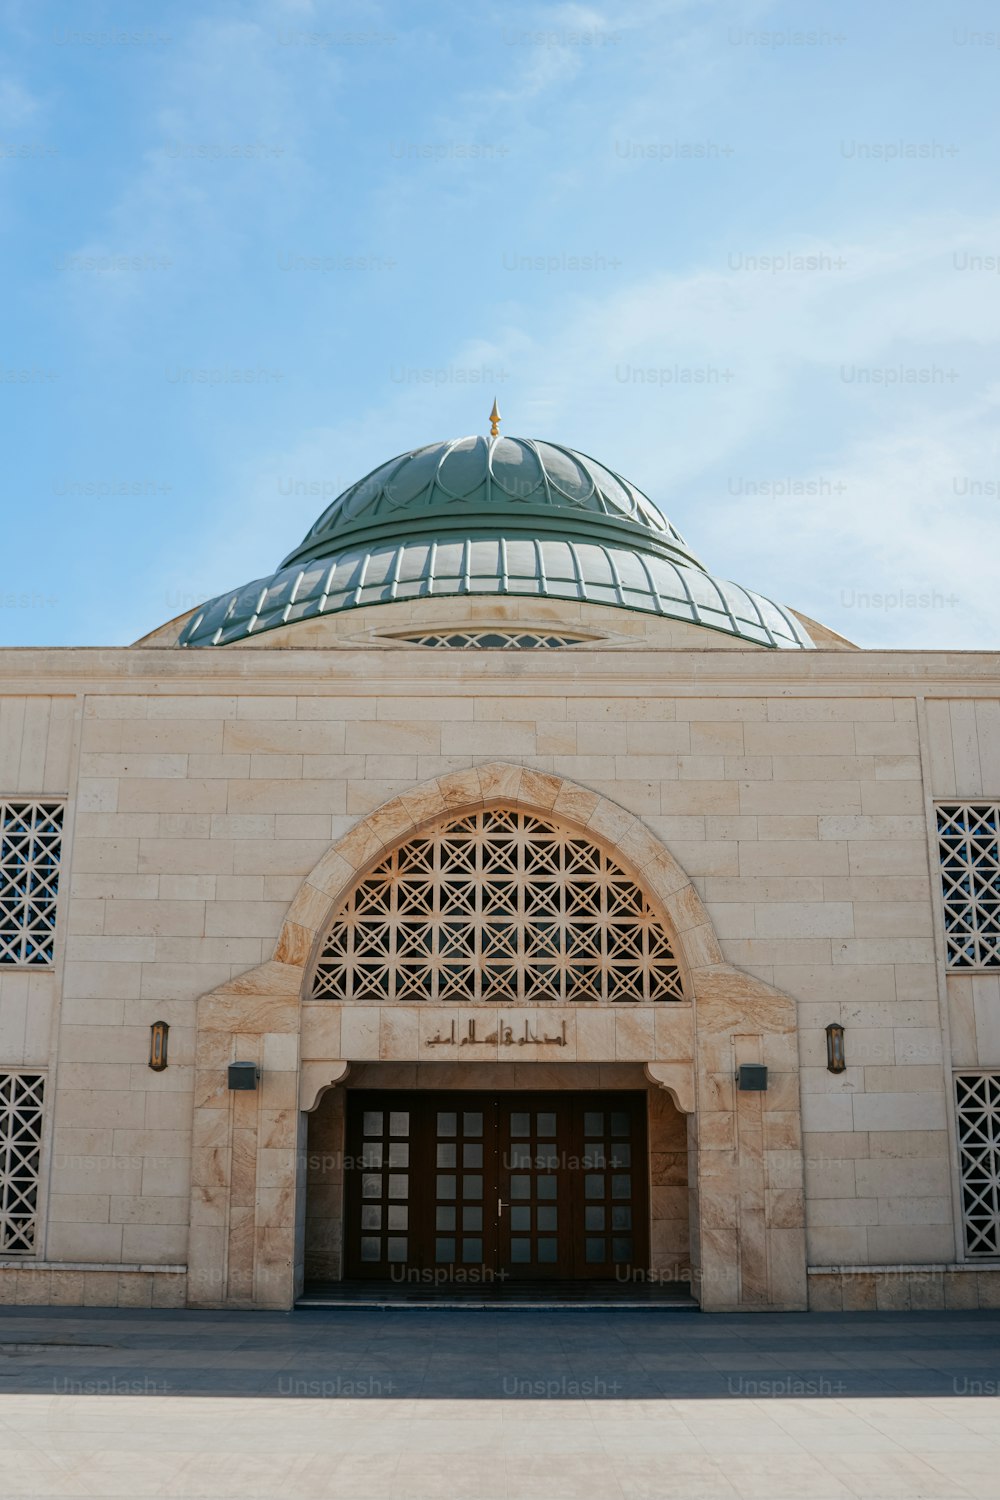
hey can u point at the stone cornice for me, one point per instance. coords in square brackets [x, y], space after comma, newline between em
[348, 671]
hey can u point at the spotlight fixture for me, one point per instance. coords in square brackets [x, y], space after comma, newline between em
[751, 1078]
[243, 1075]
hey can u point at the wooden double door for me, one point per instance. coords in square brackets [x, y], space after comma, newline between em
[519, 1186]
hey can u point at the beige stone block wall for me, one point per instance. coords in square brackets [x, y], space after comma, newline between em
[36, 745]
[80, 1285]
[974, 1014]
[904, 1288]
[964, 747]
[789, 788]
[963, 752]
[36, 738]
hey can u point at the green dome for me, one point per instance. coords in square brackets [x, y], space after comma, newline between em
[495, 516]
[527, 487]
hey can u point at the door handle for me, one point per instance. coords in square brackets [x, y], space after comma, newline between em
[501, 1205]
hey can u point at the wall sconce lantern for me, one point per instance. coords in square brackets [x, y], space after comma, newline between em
[243, 1075]
[158, 1046]
[751, 1078]
[836, 1061]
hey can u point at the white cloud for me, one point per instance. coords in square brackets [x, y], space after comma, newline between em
[18, 105]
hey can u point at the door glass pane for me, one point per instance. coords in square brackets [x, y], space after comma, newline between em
[533, 1175]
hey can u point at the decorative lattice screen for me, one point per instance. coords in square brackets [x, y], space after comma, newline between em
[500, 907]
[20, 1145]
[977, 1098]
[30, 844]
[493, 640]
[970, 877]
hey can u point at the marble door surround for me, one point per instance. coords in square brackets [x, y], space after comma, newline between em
[248, 1169]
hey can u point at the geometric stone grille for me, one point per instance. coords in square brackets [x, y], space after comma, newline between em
[498, 907]
[493, 640]
[970, 877]
[20, 1147]
[978, 1110]
[30, 846]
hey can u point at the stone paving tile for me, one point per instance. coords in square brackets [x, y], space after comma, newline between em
[603, 1405]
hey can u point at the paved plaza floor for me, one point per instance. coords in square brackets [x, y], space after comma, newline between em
[498, 1404]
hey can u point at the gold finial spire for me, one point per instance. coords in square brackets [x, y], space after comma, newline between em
[495, 419]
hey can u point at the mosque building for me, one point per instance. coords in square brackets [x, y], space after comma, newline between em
[492, 898]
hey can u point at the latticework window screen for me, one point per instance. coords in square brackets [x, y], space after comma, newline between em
[20, 1146]
[970, 877]
[977, 1097]
[30, 846]
[493, 640]
[498, 907]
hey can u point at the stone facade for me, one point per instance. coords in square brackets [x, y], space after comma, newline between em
[777, 807]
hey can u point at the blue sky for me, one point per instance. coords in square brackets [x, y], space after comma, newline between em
[745, 253]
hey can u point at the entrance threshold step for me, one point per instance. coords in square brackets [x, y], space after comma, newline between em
[552, 1294]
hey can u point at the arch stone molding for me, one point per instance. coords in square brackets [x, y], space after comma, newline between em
[248, 1194]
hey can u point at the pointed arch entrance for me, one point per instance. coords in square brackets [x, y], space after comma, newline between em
[355, 985]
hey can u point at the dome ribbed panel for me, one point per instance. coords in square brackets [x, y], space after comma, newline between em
[443, 567]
